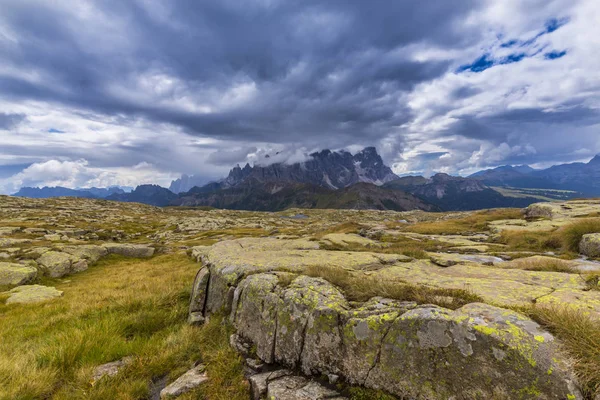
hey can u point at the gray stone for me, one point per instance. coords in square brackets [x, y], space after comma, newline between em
[109, 369]
[91, 253]
[56, 264]
[16, 274]
[259, 382]
[130, 250]
[186, 382]
[32, 294]
[299, 388]
[199, 289]
[590, 245]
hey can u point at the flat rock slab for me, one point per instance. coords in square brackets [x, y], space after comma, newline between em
[57, 264]
[186, 382]
[32, 294]
[109, 369]
[130, 250]
[346, 239]
[16, 274]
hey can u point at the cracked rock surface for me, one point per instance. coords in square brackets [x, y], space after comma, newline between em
[410, 350]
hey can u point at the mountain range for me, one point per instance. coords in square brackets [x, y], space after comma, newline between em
[58, 191]
[339, 179]
[580, 177]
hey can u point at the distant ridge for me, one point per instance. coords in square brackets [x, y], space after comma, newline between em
[58, 191]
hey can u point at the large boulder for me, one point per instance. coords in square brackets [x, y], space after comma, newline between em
[130, 250]
[590, 245]
[422, 352]
[12, 274]
[91, 253]
[32, 294]
[58, 264]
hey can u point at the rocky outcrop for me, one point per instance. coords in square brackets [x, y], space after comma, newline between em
[12, 274]
[130, 250]
[590, 245]
[56, 264]
[410, 350]
[32, 294]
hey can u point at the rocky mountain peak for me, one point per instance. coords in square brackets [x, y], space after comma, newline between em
[326, 168]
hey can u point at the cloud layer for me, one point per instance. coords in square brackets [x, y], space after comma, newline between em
[195, 87]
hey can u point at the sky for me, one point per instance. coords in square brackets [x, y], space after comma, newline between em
[112, 92]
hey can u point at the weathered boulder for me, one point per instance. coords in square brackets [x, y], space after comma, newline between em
[16, 274]
[259, 383]
[299, 388]
[539, 210]
[590, 245]
[53, 237]
[198, 300]
[186, 382]
[91, 253]
[58, 264]
[32, 294]
[130, 250]
[423, 352]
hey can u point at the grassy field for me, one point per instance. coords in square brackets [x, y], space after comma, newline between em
[115, 309]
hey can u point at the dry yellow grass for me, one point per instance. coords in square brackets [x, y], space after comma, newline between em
[117, 308]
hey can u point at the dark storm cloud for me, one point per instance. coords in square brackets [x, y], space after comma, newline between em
[333, 67]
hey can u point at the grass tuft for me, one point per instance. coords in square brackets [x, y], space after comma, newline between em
[358, 286]
[543, 264]
[580, 336]
[571, 234]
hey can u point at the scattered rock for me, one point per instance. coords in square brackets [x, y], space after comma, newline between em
[8, 242]
[32, 294]
[130, 250]
[590, 245]
[57, 264]
[259, 383]
[443, 261]
[109, 369]
[299, 388]
[16, 274]
[186, 382]
[53, 237]
[7, 231]
[345, 239]
[90, 253]
[539, 210]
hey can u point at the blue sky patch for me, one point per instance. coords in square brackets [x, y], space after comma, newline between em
[54, 130]
[554, 54]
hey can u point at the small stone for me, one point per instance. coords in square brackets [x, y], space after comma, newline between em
[186, 382]
[53, 237]
[109, 369]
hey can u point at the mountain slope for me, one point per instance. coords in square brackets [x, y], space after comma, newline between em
[452, 193]
[580, 177]
[279, 195]
[153, 195]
